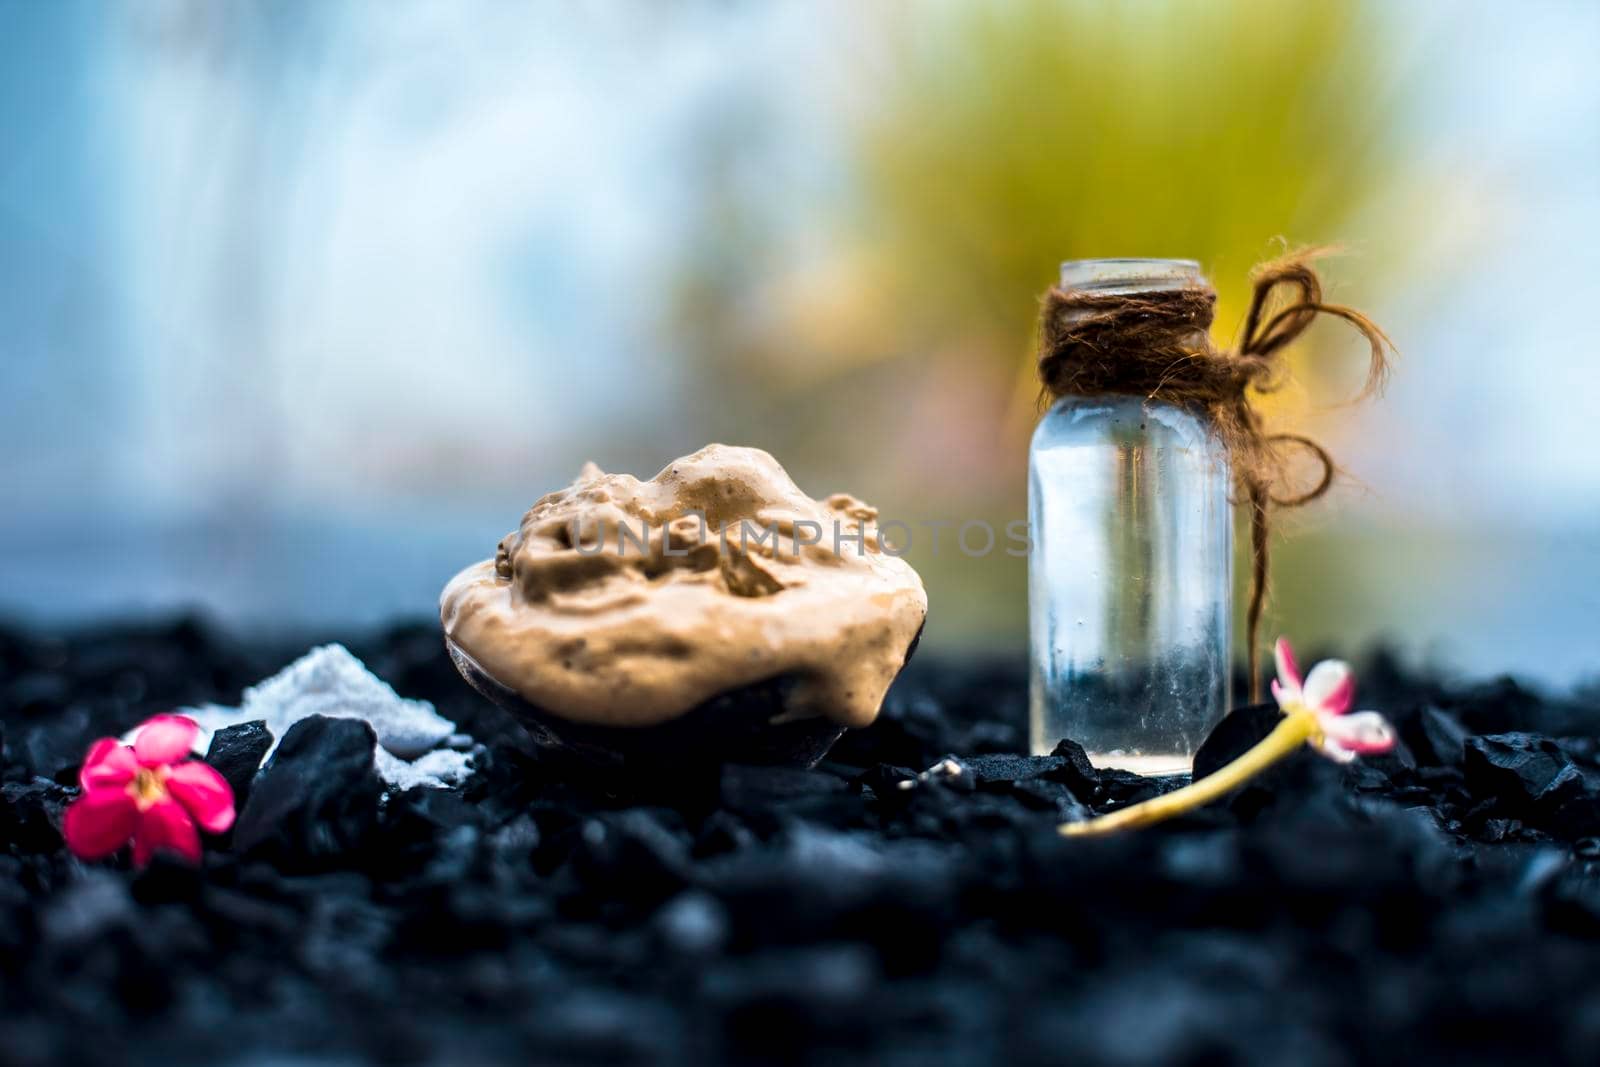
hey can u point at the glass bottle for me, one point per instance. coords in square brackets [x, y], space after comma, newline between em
[1130, 563]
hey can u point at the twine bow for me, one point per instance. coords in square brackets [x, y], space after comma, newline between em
[1155, 344]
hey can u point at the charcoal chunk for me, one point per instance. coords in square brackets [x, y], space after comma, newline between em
[236, 753]
[1436, 737]
[908, 902]
[1055, 797]
[885, 781]
[1238, 732]
[1075, 770]
[316, 801]
[1520, 768]
[51, 742]
[1577, 817]
[30, 812]
[993, 769]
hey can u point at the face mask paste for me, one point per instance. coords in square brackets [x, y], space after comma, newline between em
[626, 603]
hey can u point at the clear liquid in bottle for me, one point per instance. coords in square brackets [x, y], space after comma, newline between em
[1130, 580]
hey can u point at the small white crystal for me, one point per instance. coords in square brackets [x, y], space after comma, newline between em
[438, 769]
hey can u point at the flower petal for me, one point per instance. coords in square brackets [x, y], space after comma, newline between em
[165, 826]
[1330, 687]
[108, 764]
[1287, 696]
[1363, 733]
[99, 822]
[1288, 670]
[1327, 746]
[205, 793]
[165, 739]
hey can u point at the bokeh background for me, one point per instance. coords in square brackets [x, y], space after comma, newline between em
[302, 303]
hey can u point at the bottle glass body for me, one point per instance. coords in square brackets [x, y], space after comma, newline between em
[1130, 567]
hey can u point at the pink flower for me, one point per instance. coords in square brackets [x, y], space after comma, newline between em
[1327, 692]
[148, 792]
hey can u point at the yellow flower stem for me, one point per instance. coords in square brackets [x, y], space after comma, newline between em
[1297, 727]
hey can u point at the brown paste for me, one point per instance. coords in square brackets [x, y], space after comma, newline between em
[621, 602]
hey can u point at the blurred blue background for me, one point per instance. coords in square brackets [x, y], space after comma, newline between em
[303, 303]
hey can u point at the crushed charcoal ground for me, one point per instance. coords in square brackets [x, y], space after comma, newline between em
[1441, 904]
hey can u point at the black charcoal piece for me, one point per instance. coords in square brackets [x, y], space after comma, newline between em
[996, 769]
[1436, 737]
[236, 753]
[1076, 771]
[1054, 797]
[30, 813]
[316, 800]
[864, 911]
[883, 780]
[1238, 732]
[1520, 768]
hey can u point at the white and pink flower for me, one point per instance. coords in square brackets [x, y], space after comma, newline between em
[1327, 692]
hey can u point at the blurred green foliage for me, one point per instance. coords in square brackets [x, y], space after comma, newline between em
[1017, 135]
[892, 355]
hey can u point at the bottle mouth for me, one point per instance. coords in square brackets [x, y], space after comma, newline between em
[1110, 275]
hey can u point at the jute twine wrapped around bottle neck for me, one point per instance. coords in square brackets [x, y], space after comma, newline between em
[1155, 344]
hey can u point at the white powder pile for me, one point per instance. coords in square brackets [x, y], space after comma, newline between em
[330, 681]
